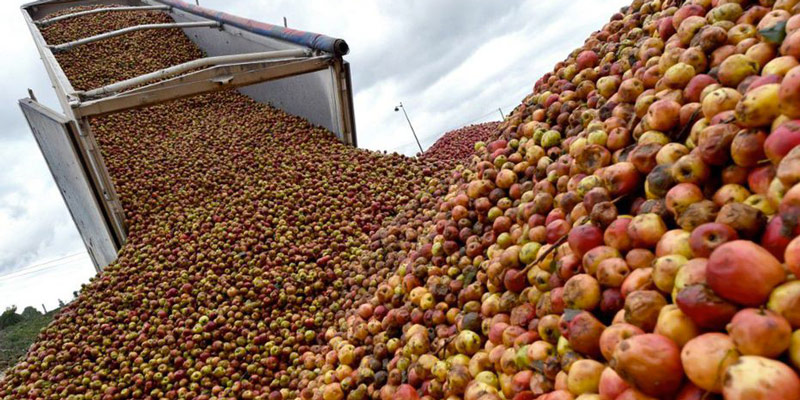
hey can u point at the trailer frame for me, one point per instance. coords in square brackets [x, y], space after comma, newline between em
[270, 63]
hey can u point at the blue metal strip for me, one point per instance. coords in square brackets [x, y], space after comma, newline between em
[312, 40]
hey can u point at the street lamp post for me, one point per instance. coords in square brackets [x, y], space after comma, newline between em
[409, 124]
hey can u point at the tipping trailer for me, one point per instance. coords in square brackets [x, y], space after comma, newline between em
[302, 73]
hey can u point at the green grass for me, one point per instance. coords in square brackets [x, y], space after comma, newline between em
[16, 339]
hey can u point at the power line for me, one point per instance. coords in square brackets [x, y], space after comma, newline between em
[30, 272]
[461, 125]
[439, 135]
[38, 267]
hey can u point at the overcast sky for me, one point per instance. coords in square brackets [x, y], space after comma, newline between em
[451, 63]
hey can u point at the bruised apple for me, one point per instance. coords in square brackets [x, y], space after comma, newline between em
[704, 307]
[705, 359]
[760, 378]
[760, 332]
[614, 335]
[650, 362]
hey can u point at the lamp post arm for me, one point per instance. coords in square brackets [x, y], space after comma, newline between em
[412, 128]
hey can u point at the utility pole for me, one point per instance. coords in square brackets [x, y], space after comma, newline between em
[285, 25]
[501, 113]
[409, 124]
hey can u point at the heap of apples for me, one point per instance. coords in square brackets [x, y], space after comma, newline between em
[250, 233]
[629, 232]
[632, 235]
[459, 145]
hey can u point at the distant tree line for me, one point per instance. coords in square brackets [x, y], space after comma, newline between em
[10, 317]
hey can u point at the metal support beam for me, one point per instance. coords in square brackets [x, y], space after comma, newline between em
[210, 80]
[107, 35]
[342, 102]
[216, 73]
[191, 65]
[102, 181]
[58, 140]
[49, 21]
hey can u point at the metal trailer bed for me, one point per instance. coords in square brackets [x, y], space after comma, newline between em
[302, 73]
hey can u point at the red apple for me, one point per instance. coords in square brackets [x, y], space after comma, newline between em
[642, 308]
[760, 332]
[789, 93]
[616, 234]
[695, 87]
[777, 236]
[622, 178]
[583, 331]
[611, 273]
[638, 279]
[611, 385]
[747, 147]
[792, 257]
[663, 115]
[406, 392]
[681, 196]
[584, 237]
[611, 301]
[586, 59]
[633, 394]
[782, 140]
[707, 237]
[743, 272]
[690, 391]
[639, 258]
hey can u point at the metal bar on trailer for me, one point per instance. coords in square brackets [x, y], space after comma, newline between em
[217, 72]
[49, 21]
[107, 35]
[59, 79]
[343, 101]
[194, 64]
[350, 114]
[223, 79]
[102, 181]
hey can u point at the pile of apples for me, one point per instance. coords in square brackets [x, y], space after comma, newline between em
[104, 62]
[251, 232]
[459, 145]
[629, 232]
[632, 235]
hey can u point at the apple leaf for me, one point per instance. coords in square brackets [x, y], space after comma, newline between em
[774, 34]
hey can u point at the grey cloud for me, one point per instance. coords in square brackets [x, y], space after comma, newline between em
[36, 224]
[435, 37]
